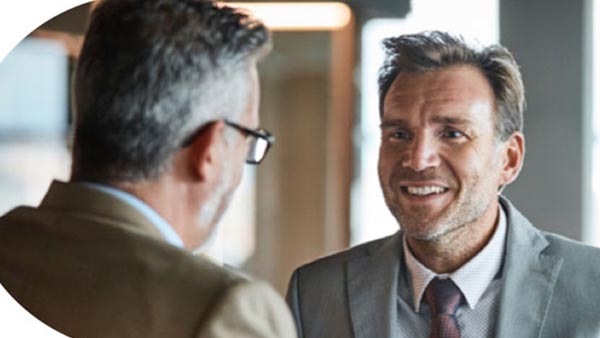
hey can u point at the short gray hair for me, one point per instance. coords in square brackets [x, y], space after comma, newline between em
[149, 74]
[434, 50]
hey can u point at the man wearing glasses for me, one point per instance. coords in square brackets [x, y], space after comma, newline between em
[166, 95]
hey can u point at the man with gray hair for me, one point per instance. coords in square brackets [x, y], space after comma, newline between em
[465, 263]
[166, 98]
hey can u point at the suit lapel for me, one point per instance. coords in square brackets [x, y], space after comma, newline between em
[372, 289]
[529, 278]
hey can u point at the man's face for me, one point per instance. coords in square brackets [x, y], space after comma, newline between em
[236, 148]
[238, 142]
[440, 164]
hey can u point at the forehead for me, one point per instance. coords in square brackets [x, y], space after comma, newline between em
[456, 89]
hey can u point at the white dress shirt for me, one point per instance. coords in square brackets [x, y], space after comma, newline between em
[157, 220]
[478, 280]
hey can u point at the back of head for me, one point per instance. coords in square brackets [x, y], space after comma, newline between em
[149, 74]
[430, 51]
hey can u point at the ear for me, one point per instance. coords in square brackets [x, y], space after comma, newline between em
[513, 153]
[205, 151]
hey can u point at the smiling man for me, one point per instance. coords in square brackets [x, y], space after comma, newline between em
[466, 262]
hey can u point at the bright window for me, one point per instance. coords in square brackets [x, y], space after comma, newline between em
[33, 121]
[592, 179]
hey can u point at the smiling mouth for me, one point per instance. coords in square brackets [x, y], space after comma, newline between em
[423, 190]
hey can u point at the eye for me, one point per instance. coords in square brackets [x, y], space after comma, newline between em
[401, 135]
[451, 133]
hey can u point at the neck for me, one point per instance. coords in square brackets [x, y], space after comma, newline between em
[175, 203]
[447, 253]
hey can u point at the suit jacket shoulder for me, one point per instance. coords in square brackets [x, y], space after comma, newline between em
[335, 295]
[332, 263]
[550, 283]
[249, 309]
[91, 266]
[573, 308]
[573, 251]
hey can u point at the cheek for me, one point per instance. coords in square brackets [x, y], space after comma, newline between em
[385, 162]
[238, 170]
[239, 175]
[468, 162]
[482, 167]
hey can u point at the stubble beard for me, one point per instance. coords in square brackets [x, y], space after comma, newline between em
[418, 222]
[214, 208]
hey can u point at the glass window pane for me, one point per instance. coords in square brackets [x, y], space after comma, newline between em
[33, 121]
[592, 228]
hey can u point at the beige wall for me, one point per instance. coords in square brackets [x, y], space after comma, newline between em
[302, 188]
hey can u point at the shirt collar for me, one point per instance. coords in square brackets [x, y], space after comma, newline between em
[472, 278]
[157, 220]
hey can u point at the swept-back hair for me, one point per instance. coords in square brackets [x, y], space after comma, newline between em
[434, 50]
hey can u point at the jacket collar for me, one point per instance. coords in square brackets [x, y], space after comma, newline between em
[372, 284]
[529, 276]
[78, 198]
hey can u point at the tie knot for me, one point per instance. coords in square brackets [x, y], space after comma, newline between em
[443, 297]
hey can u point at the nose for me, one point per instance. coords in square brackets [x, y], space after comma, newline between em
[421, 153]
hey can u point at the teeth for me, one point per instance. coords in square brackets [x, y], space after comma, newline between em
[425, 190]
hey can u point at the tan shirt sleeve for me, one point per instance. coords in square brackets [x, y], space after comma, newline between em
[250, 309]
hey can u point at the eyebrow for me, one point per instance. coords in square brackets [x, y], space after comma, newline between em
[392, 123]
[436, 120]
[450, 120]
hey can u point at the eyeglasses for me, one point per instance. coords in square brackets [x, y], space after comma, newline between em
[260, 140]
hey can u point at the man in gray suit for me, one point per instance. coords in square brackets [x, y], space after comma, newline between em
[466, 262]
[166, 96]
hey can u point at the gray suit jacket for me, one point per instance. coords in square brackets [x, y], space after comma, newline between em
[90, 266]
[551, 288]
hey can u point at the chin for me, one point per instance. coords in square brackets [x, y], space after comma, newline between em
[426, 234]
[426, 227]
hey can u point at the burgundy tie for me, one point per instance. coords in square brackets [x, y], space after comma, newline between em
[444, 298]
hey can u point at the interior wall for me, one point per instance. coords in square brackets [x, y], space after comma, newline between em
[547, 39]
[303, 185]
[291, 181]
[73, 21]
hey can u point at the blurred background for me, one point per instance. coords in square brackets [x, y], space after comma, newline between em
[317, 192]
